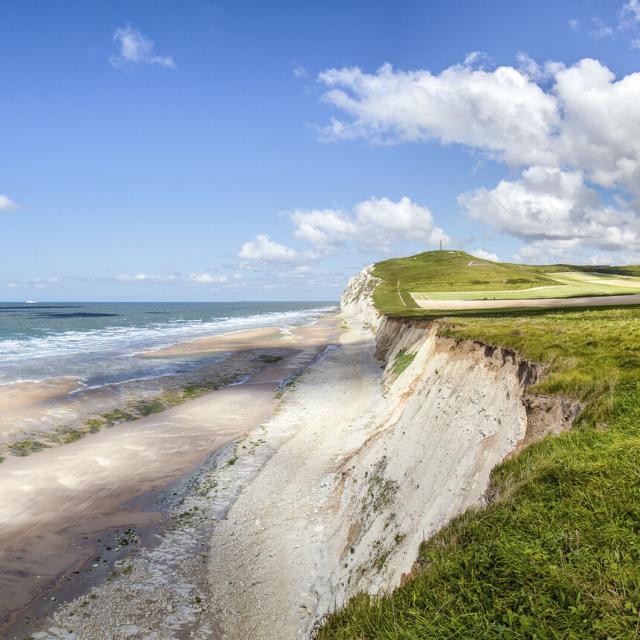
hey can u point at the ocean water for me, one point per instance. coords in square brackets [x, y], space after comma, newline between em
[96, 342]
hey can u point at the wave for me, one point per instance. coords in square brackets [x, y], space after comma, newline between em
[67, 352]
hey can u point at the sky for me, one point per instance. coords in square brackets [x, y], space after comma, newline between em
[236, 150]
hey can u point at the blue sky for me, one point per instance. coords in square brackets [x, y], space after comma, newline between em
[167, 150]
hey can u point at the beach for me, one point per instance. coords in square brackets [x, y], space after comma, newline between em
[61, 503]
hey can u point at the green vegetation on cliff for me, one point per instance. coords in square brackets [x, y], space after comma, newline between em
[556, 553]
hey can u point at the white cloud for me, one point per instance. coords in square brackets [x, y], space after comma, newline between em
[209, 278]
[383, 222]
[137, 49]
[204, 278]
[485, 255]
[554, 211]
[299, 71]
[548, 251]
[502, 111]
[600, 29]
[574, 131]
[37, 283]
[600, 132]
[266, 250]
[323, 228]
[377, 223]
[141, 277]
[585, 119]
[574, 24]
[630, 13]
[635, 44]
[6, 204]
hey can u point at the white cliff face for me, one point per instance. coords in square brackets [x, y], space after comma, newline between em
[356, 302]
[452, 415]
[369, 458]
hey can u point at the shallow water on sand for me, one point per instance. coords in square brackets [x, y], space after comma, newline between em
[96, 342]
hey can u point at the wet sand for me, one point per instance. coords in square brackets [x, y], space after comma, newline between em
[54, 498]
[25, 404]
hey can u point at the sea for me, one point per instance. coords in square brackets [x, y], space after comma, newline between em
[96, 342]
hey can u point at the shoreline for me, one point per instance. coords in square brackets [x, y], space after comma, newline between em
[57, 410]
[77, 486]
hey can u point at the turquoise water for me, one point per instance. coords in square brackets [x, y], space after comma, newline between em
[96, 342]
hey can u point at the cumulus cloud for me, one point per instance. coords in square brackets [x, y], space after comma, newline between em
[383, 222]
[6, 204]
[264, 249]
[134, 48]
[12, 285]
[600, 131]
[554, 211]
[485, 255]
[573, 131]
[323, 227]
[377, 223]
[548, 251]
[585, 118]
[500, 111]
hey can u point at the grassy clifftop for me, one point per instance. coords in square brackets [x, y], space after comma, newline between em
[556, 554]
[457, 274]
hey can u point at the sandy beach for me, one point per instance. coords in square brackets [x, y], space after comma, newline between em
[58, 502]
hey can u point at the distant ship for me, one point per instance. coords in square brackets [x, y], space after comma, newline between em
[31, 302]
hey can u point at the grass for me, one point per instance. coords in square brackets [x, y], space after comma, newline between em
[402, 361]
[556, 554]
[456, 275]
[25, 447]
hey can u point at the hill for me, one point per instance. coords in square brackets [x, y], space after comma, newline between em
[421, 284]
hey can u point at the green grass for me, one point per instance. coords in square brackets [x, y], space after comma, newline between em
[25, 447]
[402, 361]
[556, 554]
[456, 275]
[447, 271]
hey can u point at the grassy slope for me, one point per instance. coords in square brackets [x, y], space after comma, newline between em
[442, 273]
[557, 553]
